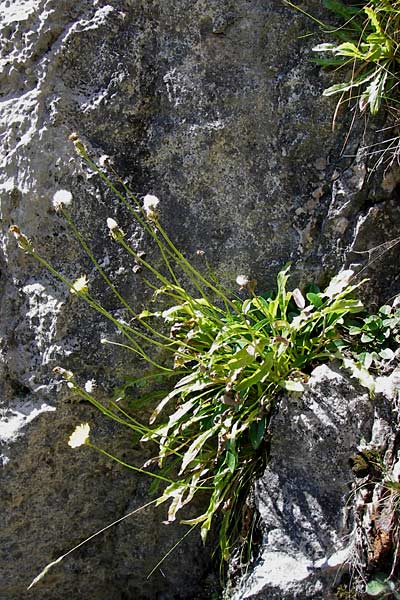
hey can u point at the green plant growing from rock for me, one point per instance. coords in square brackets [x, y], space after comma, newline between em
[368, 46]
[228, 358]
[366, 52]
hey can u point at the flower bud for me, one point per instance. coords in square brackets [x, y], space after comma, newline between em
[115, 231]
[22, 240]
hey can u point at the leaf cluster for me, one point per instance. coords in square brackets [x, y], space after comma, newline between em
[368, 46]
[374, 338]
[381, 587]
[228, 359]
[234, 362]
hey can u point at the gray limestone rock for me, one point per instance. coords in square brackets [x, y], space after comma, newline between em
[213, 106]
[307, 496]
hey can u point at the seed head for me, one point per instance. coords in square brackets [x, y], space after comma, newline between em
[80, 147]
[80, 286]
[80, 436]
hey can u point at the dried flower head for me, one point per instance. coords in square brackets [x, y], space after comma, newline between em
[150, 204]
[22, 240]
[104, 160]
[115, 231]
[80, 147]
[61, 199]
[80, 286]
[80, 436]
[68, 376]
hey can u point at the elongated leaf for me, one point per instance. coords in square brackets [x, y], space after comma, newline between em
[347, 12]
[374, 92]
[324, 47]
[256, 432]
[373, 17]
[260, 372]
[244, 357]
[315, 299]
[162, 404]
[231, 459]
[376, 588]
[349, 85]
[196, 446]
[338, 283]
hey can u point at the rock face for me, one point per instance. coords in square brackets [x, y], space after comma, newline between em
[313, 536]
[213, 106]
[302, 496]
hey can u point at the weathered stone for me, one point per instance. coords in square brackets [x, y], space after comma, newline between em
[213, 106]
[303, 494]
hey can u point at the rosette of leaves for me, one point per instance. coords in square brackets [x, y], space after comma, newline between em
[233, 364]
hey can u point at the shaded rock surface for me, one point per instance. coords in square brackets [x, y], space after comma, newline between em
[213, 106]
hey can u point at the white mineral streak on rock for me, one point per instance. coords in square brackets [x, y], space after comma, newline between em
[13, 421]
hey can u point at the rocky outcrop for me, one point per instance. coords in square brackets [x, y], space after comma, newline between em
[213, 106]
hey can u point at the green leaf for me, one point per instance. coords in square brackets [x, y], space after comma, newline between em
[315, 299]
[260, 372]
[374, 92]
[386, 354]
[360, 373]
[338, 283]
[376, 587]
[231, 459]
[374, 20]
[344, 11]
[324, 47]
[349, 85]
[244, 357]
[256, 432]
[366, 338]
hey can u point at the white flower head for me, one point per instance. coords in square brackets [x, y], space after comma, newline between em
[112, 224]
[80, 285]
[115, 231]
[80, 436]
[61, 199]
[150, 204]
[90, 386]
[104, 160]
[242, 281]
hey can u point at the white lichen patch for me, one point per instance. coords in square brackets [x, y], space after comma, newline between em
[42, 313]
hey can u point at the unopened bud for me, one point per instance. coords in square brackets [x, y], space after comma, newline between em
[22, 240]
[115, 231]
[80, 147]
